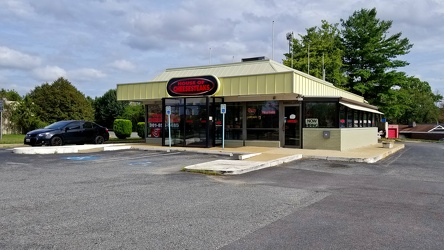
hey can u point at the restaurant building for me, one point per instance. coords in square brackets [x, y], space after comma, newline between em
[267, 104]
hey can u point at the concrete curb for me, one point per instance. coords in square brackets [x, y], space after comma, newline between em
[45, 150]
[246, 156]
[115, 148]
[72, 149]
[373, 159]
[271, 163]
[234, 167]
[237, 155]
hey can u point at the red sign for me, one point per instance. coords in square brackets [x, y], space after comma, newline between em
[251, 111]
[155, 132]
[193, 86]
[268, 112]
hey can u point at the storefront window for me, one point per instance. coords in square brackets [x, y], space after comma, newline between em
[233, 121]
[263, 120]
[321, 115]
[364, 119]
[350, 117]
[356, 119]
[154, 123]
[189, 122]
[342, 118]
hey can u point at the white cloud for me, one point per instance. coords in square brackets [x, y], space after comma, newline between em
[14, 59]
[19, 8]
[123, 65]
[85, 74]
[49, 73]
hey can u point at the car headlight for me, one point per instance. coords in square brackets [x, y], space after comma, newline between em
[46, 135]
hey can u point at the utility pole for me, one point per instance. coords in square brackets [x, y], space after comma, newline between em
[308, 61]
[323, 68]
[272, 40]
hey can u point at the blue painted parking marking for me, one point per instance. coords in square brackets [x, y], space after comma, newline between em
[82, 158]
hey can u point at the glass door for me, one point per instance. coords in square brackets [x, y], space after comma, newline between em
[195, 122]
[292, 126]
[195, 125]
[216, 117]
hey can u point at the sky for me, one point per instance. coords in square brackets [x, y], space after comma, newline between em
[96, 44]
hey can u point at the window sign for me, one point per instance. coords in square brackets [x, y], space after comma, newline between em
[312, 122]
[154, 126]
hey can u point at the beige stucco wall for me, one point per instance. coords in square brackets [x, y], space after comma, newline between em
[340, 138]
[358, 137]
[312, 138]
[154, 141]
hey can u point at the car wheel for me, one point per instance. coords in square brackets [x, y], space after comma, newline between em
[99, 139]
[56, 141]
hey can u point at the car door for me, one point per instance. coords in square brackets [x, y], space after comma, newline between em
[89, 132]
[73, 133]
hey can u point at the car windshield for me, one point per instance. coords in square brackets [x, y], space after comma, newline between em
[58, 125]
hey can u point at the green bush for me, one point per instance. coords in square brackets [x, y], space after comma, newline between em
[122, 128]
[34, 124]
[141, 129]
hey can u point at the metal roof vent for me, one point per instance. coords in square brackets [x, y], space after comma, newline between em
[258, 58]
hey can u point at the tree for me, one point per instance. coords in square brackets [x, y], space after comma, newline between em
[422, 108]
[23, 115]
[320, 48]
[10, 95]
[411, 100]
[370, 54]
[61, 101]
[107, 108]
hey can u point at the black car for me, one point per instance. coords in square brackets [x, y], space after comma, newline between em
[67, 132]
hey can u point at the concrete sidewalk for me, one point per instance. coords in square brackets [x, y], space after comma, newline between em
[243, 159]
[246, 159]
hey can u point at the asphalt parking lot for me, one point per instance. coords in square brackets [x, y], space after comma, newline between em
[142, 200]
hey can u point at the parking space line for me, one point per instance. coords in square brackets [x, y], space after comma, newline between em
[126, 158]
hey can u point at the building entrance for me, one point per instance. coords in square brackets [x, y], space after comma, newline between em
[195, 122]
[292, 127]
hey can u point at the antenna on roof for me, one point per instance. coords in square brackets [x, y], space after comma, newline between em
[210, 57]
[323, 68]
[272, 40]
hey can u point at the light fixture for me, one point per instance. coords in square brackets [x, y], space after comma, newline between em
[299, 98]
[290, 49]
